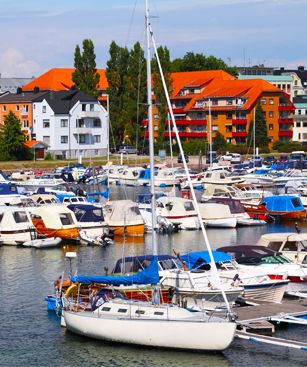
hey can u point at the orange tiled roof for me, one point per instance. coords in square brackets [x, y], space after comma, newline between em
[60, 79]
[30, 143]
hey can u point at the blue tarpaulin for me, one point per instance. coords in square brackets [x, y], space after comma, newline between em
[282, 203]
[150, 275]
[195, 259]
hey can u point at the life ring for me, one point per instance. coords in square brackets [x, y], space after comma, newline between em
[71, 290]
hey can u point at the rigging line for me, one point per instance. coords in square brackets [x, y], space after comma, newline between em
[130, 23]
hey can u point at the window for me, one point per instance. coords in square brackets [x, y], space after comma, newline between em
[122, 310]
[64, 139]
[64, 123]
[20, 217]
[106, 309]
[46, 123]
[229, 115]
[215, 128]
[299, 112]
[83, 107]
[296, 202]
[91, 107]
[82, 139]
[80, 123]
[304, 124]
[66, 219]
[271, 101]
[97, 123]
[96, 152]
[188, 206]
[4, 108]
[140, 312]
[158, 313]
[298, 124]
[46, 140]
[25, 123]
[270, 126]
[263, 101]
[44, 109]
[17, 108]
[271, 114]
[97, 138]
[25, 108]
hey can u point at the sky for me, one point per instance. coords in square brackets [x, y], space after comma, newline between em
[37, 35]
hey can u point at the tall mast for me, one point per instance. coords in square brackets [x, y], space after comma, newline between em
[151, 136]
[213, 265]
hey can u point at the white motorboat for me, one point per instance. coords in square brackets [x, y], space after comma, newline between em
[9, 194]
[16, 226]
[220, 177]
[130, 176]
[43, 242]
[179, 211]
[217, 215]
[291, 244]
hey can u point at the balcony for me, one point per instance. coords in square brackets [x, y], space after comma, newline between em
[285, 133]
[188, 134]
[239, 134]
[282, 107]
[89, 114]
[286, 120]
[81, 130]
[178, 110]
[189, 122]
[239, 121]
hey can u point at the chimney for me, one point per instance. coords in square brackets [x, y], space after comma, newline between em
[36, 89]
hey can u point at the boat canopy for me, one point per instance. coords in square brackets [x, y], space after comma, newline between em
[87, 213]
[145, 174]
[149, 275]
[235, 206]
[283, 203]
[195, 259]
[8, 189]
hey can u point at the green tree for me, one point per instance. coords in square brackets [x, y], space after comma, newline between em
[12, 139]
[261, 130]
[160, 99]
[219, 142]
[198, 62]
[85, 76]
[135, 93]
[117, 76]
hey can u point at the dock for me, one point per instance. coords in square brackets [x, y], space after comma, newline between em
[254, 321]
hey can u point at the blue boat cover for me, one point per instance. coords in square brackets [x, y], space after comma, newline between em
[145, 174]
[105, 194]
[283, 203]
[150, 275]
[87, 213]
[195, 259]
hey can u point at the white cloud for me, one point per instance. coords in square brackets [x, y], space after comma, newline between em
[13, 64]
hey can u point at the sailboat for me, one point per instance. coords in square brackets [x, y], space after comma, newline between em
[111, 317]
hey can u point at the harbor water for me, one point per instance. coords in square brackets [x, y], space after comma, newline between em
[32, 336]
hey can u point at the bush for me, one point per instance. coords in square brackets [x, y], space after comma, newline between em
[195, 146]
[282, 147]
[48, 157]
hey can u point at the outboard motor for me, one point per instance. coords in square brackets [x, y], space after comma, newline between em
[164, 224]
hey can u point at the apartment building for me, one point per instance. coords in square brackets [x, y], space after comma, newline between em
[71, 123]
[300, 119]
[205, 102]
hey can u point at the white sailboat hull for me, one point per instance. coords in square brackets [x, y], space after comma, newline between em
[194, 335]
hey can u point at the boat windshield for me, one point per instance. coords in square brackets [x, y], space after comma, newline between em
[278, 259]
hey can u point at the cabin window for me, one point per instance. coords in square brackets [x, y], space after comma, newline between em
[13, 188]
[158, 313]
[208, 175]
[296, 202]
[66, 219]
[122, 310]
[140, 312]
[290, 246]
[188, 206]
[106, 309]
[275, 245]
[20, 217]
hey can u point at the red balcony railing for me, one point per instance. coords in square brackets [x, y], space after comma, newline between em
[286, 108]
[188, 134]
[285, 133]
[239, 121]
[286, 120]
[190, 122]
[178, 110]
[239, 134]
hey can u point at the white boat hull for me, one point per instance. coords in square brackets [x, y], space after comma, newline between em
[15, 238]
[221, 222]
[194, 335]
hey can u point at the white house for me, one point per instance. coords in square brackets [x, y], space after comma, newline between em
[71, 123]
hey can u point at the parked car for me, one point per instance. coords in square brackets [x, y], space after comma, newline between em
[179, 159]
[127, 150]
[233, 158]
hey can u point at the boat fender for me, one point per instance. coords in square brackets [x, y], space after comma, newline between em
[71, 290]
